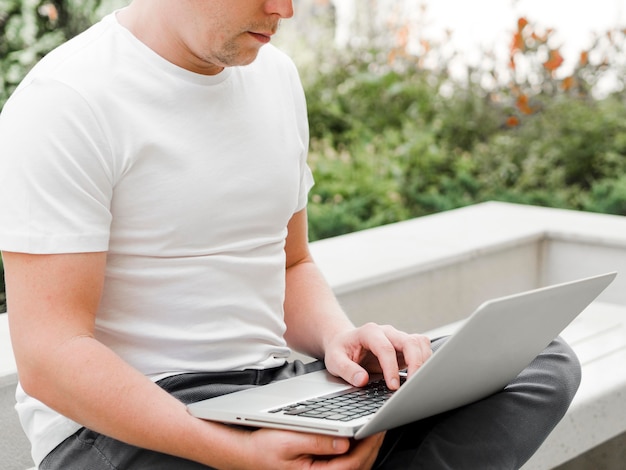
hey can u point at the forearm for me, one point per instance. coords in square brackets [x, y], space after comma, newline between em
[312, 312]
[317, 325]
[85, 381]
[52, 303]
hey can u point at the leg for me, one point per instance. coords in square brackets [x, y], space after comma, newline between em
[500, 432]
[87, 449]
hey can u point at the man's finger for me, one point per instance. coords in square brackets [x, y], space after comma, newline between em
[415, 349]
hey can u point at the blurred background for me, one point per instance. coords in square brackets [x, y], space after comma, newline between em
[423, 106]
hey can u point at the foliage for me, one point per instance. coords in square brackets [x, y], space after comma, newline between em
[29, 29]
[393, 139]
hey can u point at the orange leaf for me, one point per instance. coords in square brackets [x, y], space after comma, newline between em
[568, 83]
[518, 43]
[584, 58]
[391, 57]
[50, 11]
[512, 121]
[523, 104]
[555, 60]
[402, 36]
[521, 24]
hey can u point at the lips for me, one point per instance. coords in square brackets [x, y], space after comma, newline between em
[261, 37]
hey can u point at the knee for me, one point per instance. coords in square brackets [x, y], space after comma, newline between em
[559, 369]
[567, 363]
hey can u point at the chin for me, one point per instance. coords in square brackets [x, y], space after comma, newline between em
[247, 55]
[247, 59]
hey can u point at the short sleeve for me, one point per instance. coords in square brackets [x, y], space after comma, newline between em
[307, 181]
[306, 184]
[56, 183]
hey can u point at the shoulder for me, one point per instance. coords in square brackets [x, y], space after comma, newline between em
[76, 58]
[271, 52]
[66, 85]
[276, 71]
[270, 57]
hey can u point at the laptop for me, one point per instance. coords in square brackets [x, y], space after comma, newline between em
[485, 354]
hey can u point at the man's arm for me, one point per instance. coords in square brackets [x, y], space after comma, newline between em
[316, 324]
[52, 304]
[309, 301]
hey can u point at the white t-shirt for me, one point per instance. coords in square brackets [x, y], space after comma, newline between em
[187, 181]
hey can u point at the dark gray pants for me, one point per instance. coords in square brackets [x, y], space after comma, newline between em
[499, 432]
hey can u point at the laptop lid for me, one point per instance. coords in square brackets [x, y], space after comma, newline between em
[490, 349]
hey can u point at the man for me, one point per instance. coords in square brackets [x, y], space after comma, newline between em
[155, 248]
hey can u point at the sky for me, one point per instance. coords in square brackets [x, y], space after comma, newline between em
[489, 23]
[471, 27]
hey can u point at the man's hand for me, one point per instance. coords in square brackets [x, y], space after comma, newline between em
[278, 450]
[355, 353]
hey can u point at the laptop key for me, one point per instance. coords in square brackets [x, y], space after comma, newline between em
[342, 406]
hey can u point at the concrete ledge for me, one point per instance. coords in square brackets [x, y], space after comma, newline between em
[14, 447]
[598, 412]
[8, 370]
[438, 268]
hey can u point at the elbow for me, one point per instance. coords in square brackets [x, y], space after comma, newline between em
[49, 373]
[33, 380]
[37, 371]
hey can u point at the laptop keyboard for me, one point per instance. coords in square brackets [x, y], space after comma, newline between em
[342, 406]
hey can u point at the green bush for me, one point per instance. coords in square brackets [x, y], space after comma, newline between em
[29, 29]
[391, 139]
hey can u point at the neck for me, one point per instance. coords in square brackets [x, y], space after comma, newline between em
[146, 22]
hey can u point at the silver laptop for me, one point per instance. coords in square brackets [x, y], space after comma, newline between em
[490, 349]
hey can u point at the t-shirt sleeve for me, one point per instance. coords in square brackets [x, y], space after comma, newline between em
[305, 187]
[306, 181]
[57, 180]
